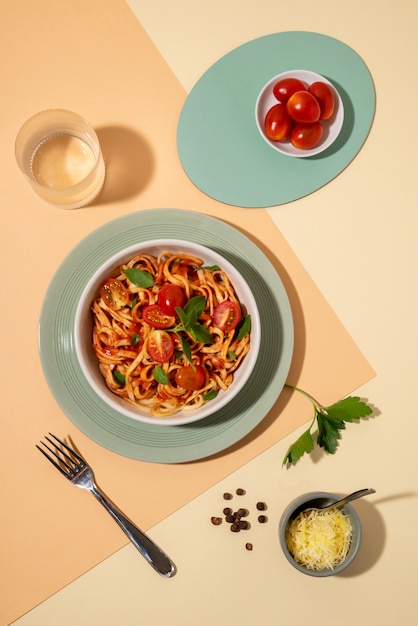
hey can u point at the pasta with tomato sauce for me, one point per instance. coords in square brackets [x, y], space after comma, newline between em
[168, 332]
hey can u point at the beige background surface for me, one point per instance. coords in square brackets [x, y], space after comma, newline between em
[356, 237]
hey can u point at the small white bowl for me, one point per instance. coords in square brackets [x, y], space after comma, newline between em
[83, 331]
[332, 127]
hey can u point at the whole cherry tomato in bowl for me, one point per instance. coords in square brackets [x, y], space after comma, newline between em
[306, 136]
[325, 96]
[303, 107]
[277, 124]
[286, 87]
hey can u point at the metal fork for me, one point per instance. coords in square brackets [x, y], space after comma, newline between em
[80, 474]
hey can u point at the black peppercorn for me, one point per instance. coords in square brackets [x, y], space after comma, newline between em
[262, 519]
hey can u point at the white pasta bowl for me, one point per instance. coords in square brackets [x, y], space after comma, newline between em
[84, 324]
[313, 500]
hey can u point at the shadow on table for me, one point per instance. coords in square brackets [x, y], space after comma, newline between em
[373, 537]
[129, 163]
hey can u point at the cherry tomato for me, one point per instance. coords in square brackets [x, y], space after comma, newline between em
[306, 136]
[160, 346]
[114, 294]
[324, 94]
[286, 88]
[226, 315]
[155, 317]
[303, 108]
[277, 123]
[169, 297]
[190, 378]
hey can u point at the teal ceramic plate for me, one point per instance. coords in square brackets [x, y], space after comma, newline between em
[148, 442]
[218, 142]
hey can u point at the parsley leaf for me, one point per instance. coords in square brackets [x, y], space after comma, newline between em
[331, 421]
[304, 444]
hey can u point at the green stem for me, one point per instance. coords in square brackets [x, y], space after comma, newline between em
[316, 404]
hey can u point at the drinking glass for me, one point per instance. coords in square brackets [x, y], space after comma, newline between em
[59, 154]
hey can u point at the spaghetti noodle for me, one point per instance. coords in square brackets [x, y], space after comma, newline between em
[147, 352]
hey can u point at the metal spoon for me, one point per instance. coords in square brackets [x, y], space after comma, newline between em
[349, 498]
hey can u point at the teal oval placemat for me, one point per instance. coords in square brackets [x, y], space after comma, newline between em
[218, 142]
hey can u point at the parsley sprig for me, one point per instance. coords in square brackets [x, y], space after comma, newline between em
[330, 421]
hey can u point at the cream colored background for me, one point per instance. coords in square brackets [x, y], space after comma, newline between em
[357, 238]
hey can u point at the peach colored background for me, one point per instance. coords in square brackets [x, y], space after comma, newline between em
[97, 59]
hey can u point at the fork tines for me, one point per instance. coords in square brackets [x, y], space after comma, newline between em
[67, 460]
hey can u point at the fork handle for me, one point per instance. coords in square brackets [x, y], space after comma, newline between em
[149, 550]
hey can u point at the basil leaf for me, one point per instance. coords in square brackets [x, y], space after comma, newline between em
[135, 339]
[182, 316]
[186, 349]
[160, 375]
[119, 377]
[210, 268]
[138, 277]
[243, 327]
[194, 309]
[232, 355]
[210, 395]
[200, 334]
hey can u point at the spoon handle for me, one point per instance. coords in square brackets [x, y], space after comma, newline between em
[349, 498]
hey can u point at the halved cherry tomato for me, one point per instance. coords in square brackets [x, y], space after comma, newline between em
[114, 294]
[287, 87]
[306, 136]
[303, 107]
[325, 96]
[160, 345]
[190, 378]
[155, 317]
[169, 297]
[226, 315]
[277, 123]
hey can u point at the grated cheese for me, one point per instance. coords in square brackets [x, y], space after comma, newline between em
[319, 539]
